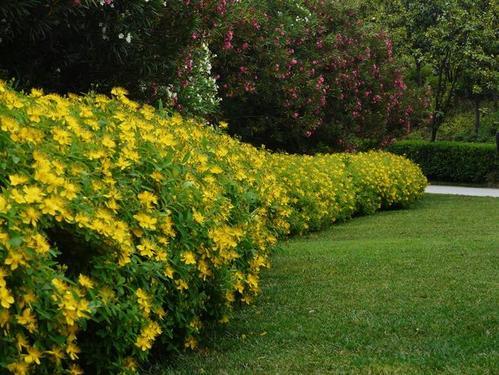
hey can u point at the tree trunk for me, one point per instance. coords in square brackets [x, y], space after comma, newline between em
[477, 116]
[419, 78]
[434, 128]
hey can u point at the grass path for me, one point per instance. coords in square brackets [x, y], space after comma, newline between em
[402, 292]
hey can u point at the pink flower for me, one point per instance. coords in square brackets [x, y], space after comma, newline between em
[228, 39]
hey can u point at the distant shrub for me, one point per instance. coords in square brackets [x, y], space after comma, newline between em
[451, 161]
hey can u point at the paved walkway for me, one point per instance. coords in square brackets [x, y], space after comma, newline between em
[461, 190]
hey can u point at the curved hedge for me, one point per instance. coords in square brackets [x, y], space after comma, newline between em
[123, 231]
[451, 161]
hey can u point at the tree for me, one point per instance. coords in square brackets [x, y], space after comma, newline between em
[456, 39]
[481, 76]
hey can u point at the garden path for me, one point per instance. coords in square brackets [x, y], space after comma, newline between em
[462, 190]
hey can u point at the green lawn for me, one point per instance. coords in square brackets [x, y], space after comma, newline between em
[401, 292]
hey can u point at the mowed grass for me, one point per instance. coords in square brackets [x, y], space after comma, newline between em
[401, 292]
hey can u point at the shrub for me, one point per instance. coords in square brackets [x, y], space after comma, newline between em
[149, 47]
[303, 76]
[381, 180]
[450, 161]
[123, 231]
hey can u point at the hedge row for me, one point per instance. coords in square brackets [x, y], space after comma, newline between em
[451, 161]
[123, 231]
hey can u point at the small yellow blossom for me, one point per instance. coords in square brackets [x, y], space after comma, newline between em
[85, 281]
[16, 179]
[188, 257]
[148, 199]
[198, 217]
[33, 356]
[146, 221]
[6, 298]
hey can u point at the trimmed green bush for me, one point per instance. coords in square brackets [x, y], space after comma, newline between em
[451, 161]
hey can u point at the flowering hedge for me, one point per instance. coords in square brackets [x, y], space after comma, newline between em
[124, 230]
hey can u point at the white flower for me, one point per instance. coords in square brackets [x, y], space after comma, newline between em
[121, 35]
[128, 38]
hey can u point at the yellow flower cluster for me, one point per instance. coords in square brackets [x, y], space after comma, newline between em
[122, 228]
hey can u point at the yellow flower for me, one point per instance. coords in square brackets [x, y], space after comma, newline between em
[33, 355]
[169, 272]
[119, 91]
[17, 196]
[29, 297]
[85, 281]
[157, 176]
[61, 136]
[108, 142]
[181, 284]
[14, 260]
[252, 281]
[131, 364]
[52, 205]
[216, 169]
[16, 179]
[6, 298]
[160, 312]
[40, 244]
[146, 248]
[143, 343]
[204, 269]
[28, 320]
[75, 370]
[188, 257]
[144, 300]
[190, 343]
[4, 316]
[198, 217]
[21, 342]
[18, 368]
[146, 221]
[72, 350]
[4, 206]
[30, 216]
[148, 335]
[36, 93]
[224, 319]
[57, 354]
[148, 199]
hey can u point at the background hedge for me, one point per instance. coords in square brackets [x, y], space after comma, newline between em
[451, 161]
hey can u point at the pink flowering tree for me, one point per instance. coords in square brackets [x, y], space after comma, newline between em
[306, 75]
